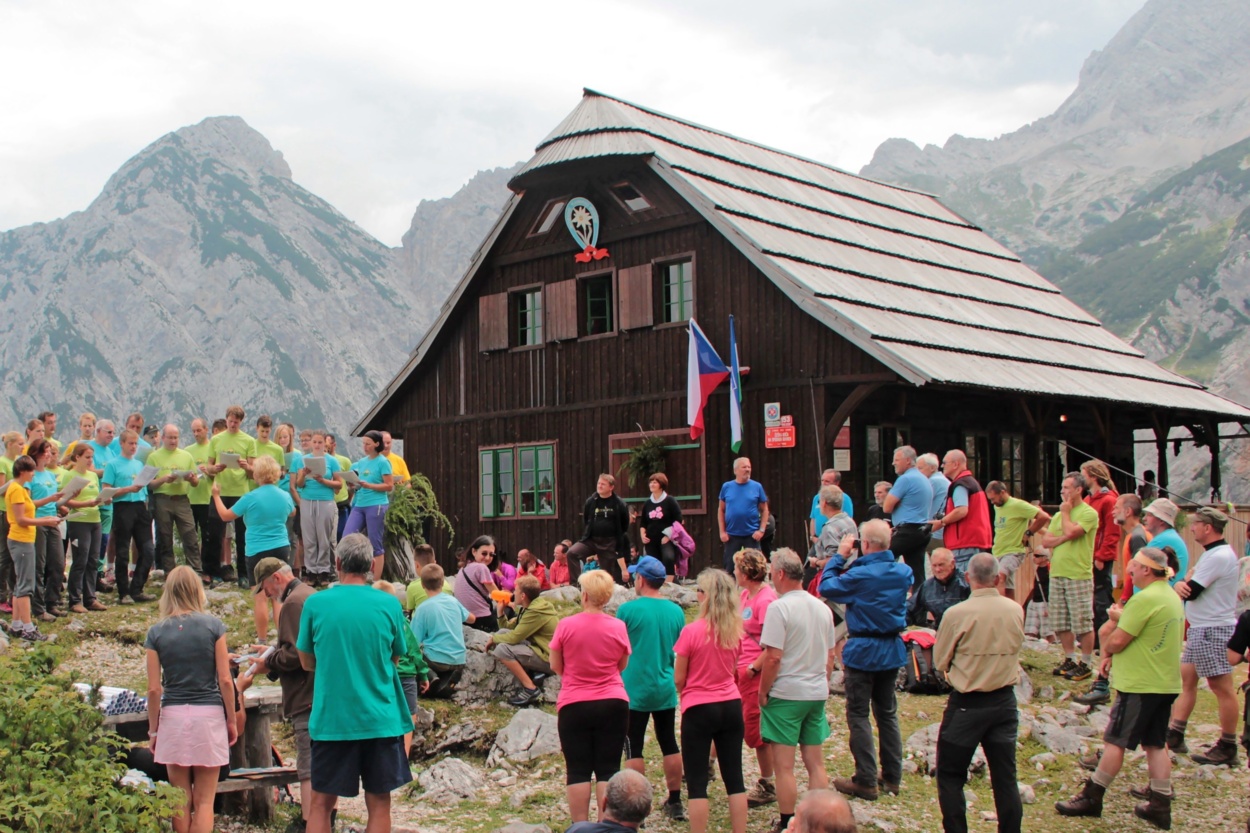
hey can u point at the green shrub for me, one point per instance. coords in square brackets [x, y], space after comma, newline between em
[59, 767]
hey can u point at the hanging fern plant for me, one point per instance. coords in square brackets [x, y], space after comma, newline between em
[643, 460]
[413, 504]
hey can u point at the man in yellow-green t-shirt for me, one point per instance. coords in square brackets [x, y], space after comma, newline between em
[1071, 542]
[263, 446]
[1015, 522]
[176, 473]
[232, 479]
[207, 521]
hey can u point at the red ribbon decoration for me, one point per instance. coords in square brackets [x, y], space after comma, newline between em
[590, 253]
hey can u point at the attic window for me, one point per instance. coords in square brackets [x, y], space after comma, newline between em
[630, 197]
[551, 214]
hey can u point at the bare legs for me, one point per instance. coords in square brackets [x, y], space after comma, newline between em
[200, 785]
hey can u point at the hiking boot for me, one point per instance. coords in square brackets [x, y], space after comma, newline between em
[848, 786]
[1090, 762]
[78, 608]
[1063, 668]
[1218, 753]
[1140, 792]
[887, 787]
[1079, 671]
[1157, 810]
[1099, 693]
[761, 793]
[46, 617]
[525, 696]
[1088, 802]
[125, 600]
[228, 574]
[1176, 742]
[96, 605]
[32, 634]
[673, 810]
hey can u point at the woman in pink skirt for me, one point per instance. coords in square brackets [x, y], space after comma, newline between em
[191, 720]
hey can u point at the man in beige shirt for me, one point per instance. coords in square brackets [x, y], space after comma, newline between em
[978, 647]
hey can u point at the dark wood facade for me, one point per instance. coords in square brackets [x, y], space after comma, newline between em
[471, 391]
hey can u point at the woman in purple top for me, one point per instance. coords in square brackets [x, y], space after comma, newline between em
[475, 583]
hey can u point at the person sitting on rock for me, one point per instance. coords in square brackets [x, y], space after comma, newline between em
[946, 588]
[523, 644]
[563, 572]
[437, 625]
[628, 805]
[527, 564]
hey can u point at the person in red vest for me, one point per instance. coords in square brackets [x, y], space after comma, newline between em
[1101, 498]
[967, 519]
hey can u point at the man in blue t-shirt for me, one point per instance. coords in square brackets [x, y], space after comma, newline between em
[909, 505]
[743, 513]
[816, 518]
[931, 467]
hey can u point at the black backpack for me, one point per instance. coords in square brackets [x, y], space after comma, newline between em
[918, 675]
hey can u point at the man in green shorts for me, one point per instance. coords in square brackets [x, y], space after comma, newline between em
[794, 668]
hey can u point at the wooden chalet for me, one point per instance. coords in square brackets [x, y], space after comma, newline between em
[871, 314]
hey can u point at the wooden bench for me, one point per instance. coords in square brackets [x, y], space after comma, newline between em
[252, 752]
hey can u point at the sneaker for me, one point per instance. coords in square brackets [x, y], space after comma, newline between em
[1080, 671]
[5, 607]
[847, 786]
[1176, 742]
[761, 793]
[1218, 754]
[1063, 668]
[1099, 693]
[673, 810]
[143, 597]
[525, 697]
[125, 600]
[32, 634]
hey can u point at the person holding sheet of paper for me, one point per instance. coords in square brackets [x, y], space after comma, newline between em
[82, 528]
[176, 473]
[232, 445]
[316, 479]
[131, 519]
[373, 471]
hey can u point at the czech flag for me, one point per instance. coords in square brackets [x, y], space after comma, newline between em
[704, 373]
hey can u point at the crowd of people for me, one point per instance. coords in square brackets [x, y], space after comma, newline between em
[976, 567]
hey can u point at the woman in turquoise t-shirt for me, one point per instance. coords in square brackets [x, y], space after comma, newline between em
[265, 510]
[49, 548]
[284, 436]
[369, 505]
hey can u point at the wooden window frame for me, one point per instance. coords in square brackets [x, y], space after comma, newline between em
[621, 202]
[494, 451]
[514, 324]
[659, 266]
[583, 304]
[536, 228]
[520, 489]
[514, 449]
[676, 438]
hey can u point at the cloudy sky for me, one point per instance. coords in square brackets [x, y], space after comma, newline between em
[378, 105]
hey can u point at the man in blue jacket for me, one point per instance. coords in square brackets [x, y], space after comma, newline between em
[874, 590]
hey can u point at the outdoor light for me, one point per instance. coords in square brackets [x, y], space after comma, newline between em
[1063, 417]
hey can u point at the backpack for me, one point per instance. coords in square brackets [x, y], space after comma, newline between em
[918, 675]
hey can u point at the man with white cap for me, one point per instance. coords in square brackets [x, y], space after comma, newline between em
[1159, 518]
[1211, 607]
[1141, 644]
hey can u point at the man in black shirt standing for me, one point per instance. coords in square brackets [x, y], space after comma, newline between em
[607, 522]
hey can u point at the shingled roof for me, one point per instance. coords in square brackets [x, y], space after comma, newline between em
[904, 278]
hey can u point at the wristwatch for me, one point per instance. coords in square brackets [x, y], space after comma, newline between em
[754, 671]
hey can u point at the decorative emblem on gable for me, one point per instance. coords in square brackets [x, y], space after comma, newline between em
[582, 218]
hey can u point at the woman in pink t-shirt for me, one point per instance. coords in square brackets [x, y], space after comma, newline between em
[751, 574]
[475, 583]
[589, 650]
[705, 672]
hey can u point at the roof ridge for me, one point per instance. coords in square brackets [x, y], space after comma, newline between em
[587, 92]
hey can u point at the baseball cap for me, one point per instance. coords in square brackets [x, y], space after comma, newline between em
[1212, 516]
[265, 568]
[1163, 509]
[648, 567]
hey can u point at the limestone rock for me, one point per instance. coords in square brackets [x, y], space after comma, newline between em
[450, 781]
[522, 827]
[562, 594]
[1060, 740]
[530, 734]
[683, 595]
[1027, 794]
[1024, 688]
[619, 597]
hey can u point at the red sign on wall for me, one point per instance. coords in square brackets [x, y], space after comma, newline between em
[779, 437]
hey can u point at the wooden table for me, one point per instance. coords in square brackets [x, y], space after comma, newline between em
[252, 796]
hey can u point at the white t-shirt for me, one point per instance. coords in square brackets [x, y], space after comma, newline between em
[1217, 572]
[802, 627]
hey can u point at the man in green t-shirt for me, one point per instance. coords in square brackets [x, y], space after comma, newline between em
[1141, 644]
[654, 623]
[1071, 542]
[176, 473]
[1015, 522]
[230, 475]
[262, 446]
[207, 521]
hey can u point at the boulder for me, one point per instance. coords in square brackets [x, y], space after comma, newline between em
[522, 827]
[1059, 740]
[567, 594]
[1024, 688]
[530, 734]
[1027, 794]
[4, 643]
[485, 680]
[683, 595]
[619, 597]
[450, 781]
[923, 745]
